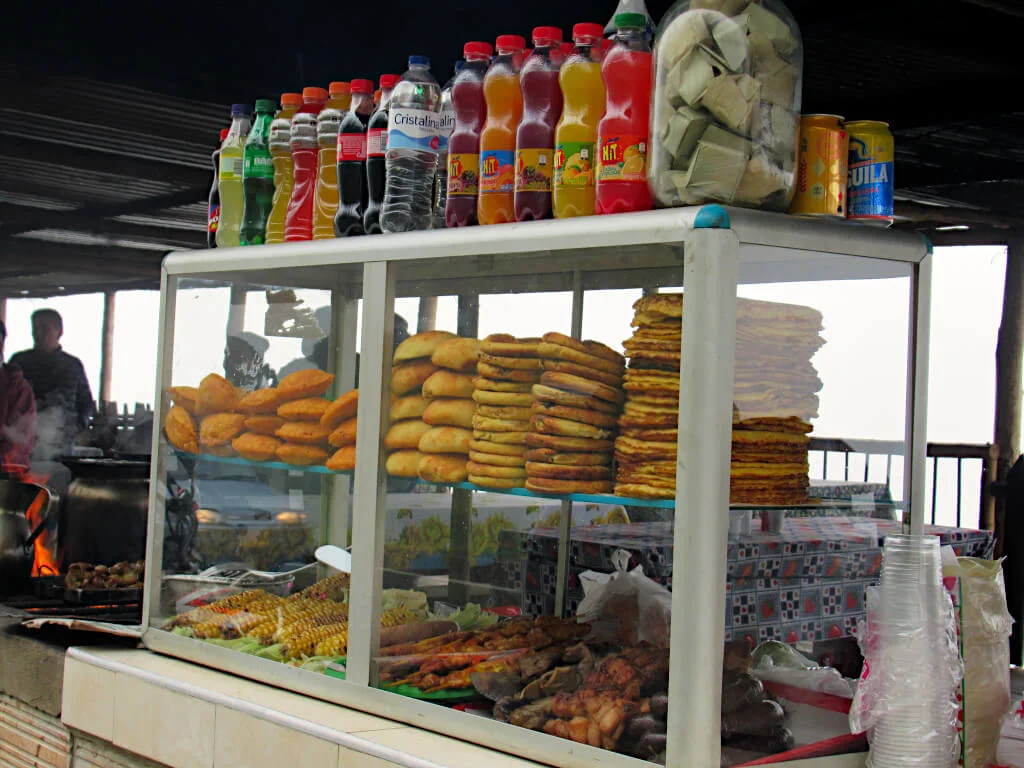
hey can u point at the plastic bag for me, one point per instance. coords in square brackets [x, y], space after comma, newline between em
[626, 607]
[780, 663]
[985, 627]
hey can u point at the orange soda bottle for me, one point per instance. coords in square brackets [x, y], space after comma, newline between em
[325, 207]
[504, 99]
[281, 156]
[623, 132]
[576, 135]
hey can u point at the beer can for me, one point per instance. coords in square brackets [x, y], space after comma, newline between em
[822, 152]
[870, 184]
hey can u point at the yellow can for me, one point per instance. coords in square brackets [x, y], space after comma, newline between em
[822, 153]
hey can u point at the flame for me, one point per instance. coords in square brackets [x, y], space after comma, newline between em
[44, 562]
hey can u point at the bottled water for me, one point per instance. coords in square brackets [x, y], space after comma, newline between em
[413, 127]
[447, 122]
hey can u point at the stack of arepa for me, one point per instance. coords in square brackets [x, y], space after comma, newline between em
[776, 389]
[573, 416]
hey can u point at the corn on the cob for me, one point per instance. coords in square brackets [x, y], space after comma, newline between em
[333, 587]
[396, 616]
[337, 645]
[305, 643]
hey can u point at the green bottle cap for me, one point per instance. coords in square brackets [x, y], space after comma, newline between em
[630, 20]
[266, 105]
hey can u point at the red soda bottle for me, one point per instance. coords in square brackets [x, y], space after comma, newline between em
[298, 222]
[535, 137]
[464, 143]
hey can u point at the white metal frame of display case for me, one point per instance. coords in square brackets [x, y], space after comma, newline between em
[716, 249]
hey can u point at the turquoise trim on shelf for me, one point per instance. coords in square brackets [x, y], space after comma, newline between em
[927, 242]
[239, 461]
[712, 217]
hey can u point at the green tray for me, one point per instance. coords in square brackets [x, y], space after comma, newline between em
[451, 696]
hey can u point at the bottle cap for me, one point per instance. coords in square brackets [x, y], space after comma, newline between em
[510, 41]
[477, 49]
[606, 43]
[587, 29]
[224, 133]
[545, 34]
[527, 52]
[419, 61]
[637, 20]
[240, 110]
[362, 86]
[378, 95]
[291, 99]
[339, 88]
[567, 49]
[266, 106]
[389, 81]
[312, 93]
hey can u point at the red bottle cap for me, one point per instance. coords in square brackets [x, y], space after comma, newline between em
[362, 86]
[389, 81]
[527, 52]
[606, 43]
[224, 133]
[477, 49]
[587, 29]
[312, 93]
[567, 49]
[339, 88]
[510, 41]
[546, 33]
[291, 99]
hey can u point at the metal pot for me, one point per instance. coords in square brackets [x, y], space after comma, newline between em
[16, 535]
[104, 512]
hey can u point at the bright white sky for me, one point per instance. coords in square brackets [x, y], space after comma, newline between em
[863, 363]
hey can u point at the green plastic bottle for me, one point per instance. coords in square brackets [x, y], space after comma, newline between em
[229, 179]
[257, 176]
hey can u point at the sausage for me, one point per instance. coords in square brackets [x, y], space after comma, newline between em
[413, 633]
[739, 690]
[778, 740]
[651, 744]
[659, 704]
[643, 724]
[758, 719]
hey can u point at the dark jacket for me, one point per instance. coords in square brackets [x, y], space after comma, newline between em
[63, 399]
[17, 417]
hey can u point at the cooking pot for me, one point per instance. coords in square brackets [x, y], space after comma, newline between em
[16, 535]
[103, 514]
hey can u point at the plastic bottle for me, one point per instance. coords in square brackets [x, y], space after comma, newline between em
[464, 144]
[325, 205]
[623, 132]
[535, 138]
[339, 95]
[352, 161]
[495, 205]
[376, 148]
[576, 135]
[229, 180]
[298, 222]
[281, 155]
[566, 48]
[412, 150]
[213, 205]
[257, 177]
[445, 126]
[631, 6]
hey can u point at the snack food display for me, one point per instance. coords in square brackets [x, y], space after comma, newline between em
[775, 396]
[726, 104]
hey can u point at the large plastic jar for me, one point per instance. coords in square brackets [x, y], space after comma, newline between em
[726, 106]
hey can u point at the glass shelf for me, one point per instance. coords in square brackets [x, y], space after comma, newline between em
[239, 461]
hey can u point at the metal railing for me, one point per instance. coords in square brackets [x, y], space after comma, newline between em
[873, 452]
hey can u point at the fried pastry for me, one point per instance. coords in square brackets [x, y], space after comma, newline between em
[180, 429]
[551, 456]
[504, 438]
[450, 411]
[507, 374]
[509, 346]
[552, 485]
[563, 366]
[421, 345]
[458, 354]
[504, 412]
[568, 471]
[301, 455]
[520, 363]
[344, 433]
[582, 415]
[305, 409]
[445, 440]
[568, 444]
[256, 447]
[573, 399]
[572, 383]
[404, 463]
[554, 426]
[303, 433]
[495, 385]
[500, 425]
[442, 467]
[264, 424]
[220, 429]
[410, 376]
[186, 397]
[502, 483]
[503, 399]
[501, 449]
[216, 395]
[342, 409]
[491, 470]
[448, 384]
[496, 459]
[343, 460]
[405, 434]
[309, 382]
[408, 407]
[260, 401]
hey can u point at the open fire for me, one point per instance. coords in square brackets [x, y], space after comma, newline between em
[44, 560]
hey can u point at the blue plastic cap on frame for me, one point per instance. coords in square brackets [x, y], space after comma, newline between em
[711, 217]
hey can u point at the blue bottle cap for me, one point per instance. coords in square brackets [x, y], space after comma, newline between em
[240, 110]
[419, 61]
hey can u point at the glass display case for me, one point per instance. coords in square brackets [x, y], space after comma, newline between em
[547, 474]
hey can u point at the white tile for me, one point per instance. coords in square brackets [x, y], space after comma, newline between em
[244, 741]
[444, 750]
[349, 758]
[87, 701]
[165, 726]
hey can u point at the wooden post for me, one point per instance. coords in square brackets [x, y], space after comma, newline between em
[427, 315]
[1010, 358]
[107, 351]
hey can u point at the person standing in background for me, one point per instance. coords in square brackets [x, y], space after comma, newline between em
[17, 412]
[64, 401]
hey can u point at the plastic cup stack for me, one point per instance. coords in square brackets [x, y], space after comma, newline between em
[918, 664]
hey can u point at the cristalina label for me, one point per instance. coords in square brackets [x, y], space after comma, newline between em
[534, 168]
[623, 158]
[574, 164]
[463, 174]
[497, 170]
[376, 142]
[351, 147]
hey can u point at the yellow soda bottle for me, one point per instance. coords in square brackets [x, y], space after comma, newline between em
[281, 156]
[576, 135]
[325, 201]
[229, 179]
